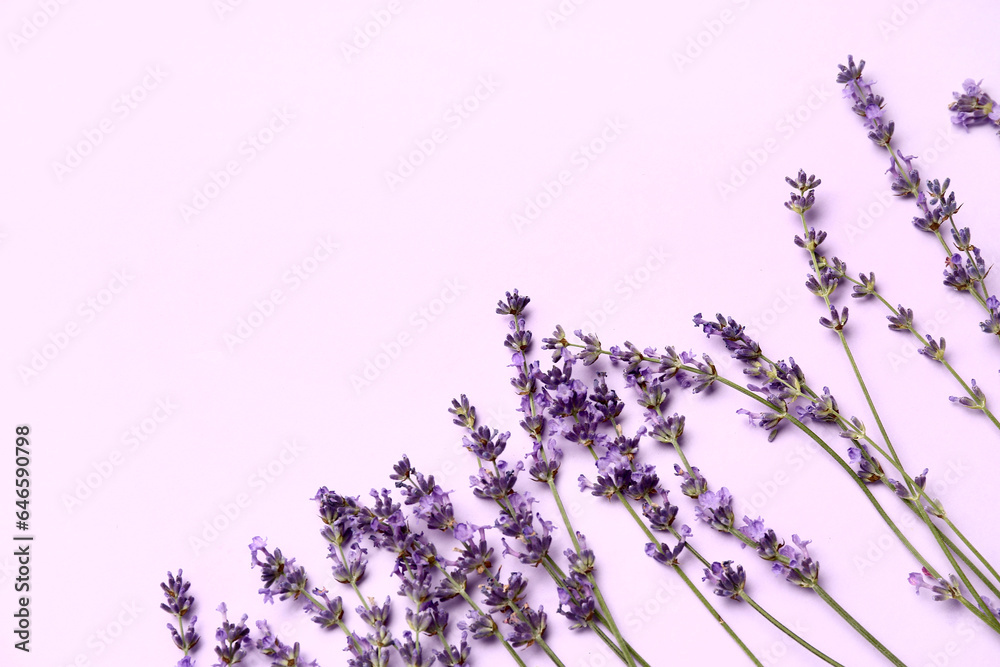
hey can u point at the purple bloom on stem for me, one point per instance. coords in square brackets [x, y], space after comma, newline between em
[727, 582]
[801, 569]
[942, 590]
[716, 509]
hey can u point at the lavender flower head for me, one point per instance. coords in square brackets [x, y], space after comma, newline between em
[973, 106]
[801, 569]
[940, 588]
[232, 638]
[726, 581]
[178, 604]
[716, 509]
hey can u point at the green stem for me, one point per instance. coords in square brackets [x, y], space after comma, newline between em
[857, 626]
[975, 552]
[776, 623]
[716, 616]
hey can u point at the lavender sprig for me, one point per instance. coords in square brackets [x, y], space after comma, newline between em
[233, 639]
[937, 204]
[179, 603]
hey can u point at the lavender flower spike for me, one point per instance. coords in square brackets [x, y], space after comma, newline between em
[728, 582]
[178, 604]
[974, 106]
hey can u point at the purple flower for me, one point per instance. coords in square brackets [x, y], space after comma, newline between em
[942, 590]
[973, 106]
[665, 555]
[867, 466]
[178, 604]
[693, 484]
[577, 602]
[232, 638]
[480, 626]
[727, 581]
[801, 569]
[716, 509]
[976, 402]
[768, 544]
[528, 626]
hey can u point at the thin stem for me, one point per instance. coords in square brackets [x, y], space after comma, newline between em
[716, 616]
[857, 626]
[776, 623]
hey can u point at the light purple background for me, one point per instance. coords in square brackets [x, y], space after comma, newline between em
[639, 238]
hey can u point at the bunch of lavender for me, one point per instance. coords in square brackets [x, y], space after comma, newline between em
[974, 106]
[965, 268]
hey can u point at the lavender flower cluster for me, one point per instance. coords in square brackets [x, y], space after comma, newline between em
[459, 584]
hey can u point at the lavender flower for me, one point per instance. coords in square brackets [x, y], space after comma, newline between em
[716, 509]
[973, 106]
[727, 582]
[232, 638]
[975, 402]
[280, 654]
[801, 569]
[279, 575]
[768, 544]
[940, 588]
[867, 466]
[178, 604]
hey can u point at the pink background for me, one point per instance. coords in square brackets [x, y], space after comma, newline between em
[120, 116]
